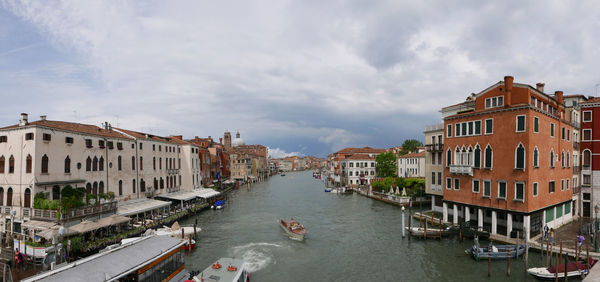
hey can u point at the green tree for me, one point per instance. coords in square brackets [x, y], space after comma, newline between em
[386, 165]
[410, 145]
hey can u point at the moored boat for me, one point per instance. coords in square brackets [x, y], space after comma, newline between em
[495, 251]
[218, 205]
[224, 270]
[574, 269]
[431, 232]
[472, 232]
[293, 228]
[327, 190]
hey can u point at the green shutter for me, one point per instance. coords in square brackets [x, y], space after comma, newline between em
[487, 186]
[520, 190]
[477, 127]
[489, 126]
[488, 157]
[502, 192]
[559, 211]
[520, 157]
[567, 207]
[549, 215]
[536, 124]
[477, 160]
[520, 123]
[476, 186]
[464, 129]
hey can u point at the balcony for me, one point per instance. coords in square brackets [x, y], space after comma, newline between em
[172, 171]
[461, 169]
[434, 147]
[80, 213]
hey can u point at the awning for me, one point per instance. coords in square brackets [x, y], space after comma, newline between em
[131, 207]
[180, 196]
[38, 225]
[207, 193]
[85, 226]
[113, 220]
[49, 183]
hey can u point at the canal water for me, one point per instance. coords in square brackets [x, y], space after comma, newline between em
[350, 238]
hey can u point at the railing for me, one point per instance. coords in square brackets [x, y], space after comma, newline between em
[172, 171]
[461, 169]
[6, 210]
[51, 215]
[26, 212]
[434, 147]
[576, 190]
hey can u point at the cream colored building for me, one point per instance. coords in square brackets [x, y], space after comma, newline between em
[434, 169]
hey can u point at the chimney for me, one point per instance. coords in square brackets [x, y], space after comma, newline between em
[221, 140]
[540, 87]
[42, 117]
[178, 137]
[508, 86]
[23, 120]
[110, 127]
[559, 97]
[106, 125]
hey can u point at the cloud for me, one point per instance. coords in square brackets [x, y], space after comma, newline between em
[279, 153]
[289, 74]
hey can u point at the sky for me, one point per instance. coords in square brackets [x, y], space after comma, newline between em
[300, 77]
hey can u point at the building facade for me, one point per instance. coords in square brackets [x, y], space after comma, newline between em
[590, 156]
[412, 164]
[434, 169]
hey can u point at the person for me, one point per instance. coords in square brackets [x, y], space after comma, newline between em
[546, 229]
[18, 259]
[580, 240]
[552, 235]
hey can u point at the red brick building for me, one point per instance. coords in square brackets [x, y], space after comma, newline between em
[508, 160]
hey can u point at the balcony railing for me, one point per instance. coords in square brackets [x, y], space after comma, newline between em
[576, 190]
[434, 147]
[172, 171]
[51, 215]
[461, 169]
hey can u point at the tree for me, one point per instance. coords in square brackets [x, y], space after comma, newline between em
[410, 145]
[386, 165]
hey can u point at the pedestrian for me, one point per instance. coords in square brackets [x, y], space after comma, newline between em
[18, 259]
[580, 240]
[552, 235]
[546, 229]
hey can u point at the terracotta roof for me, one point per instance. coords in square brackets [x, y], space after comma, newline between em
[364, 150]
[144, 136]
[413, 155]
[73, 127]
[359, 157]
[592, 100]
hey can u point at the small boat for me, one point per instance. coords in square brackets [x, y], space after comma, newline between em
[176, 231]
[574, 269]
[327, 190]
[218, 205]
[293, 228]
[283, 174]
[224, 270]
[495, 251]
[431, 232]
[471, 232]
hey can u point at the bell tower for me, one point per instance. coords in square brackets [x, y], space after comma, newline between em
[227, 138]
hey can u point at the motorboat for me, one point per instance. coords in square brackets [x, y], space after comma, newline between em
[495, 251]
[218, 205]
[224, 270]
[327, 190]
[574, 269]
[184, 232]
[293, 228]
[431, 232]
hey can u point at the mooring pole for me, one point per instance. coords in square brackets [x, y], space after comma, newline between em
[409, 218]
[556, 272]
[489, 265]
[508, 264]
[402, 221]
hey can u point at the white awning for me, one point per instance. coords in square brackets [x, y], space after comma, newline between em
[207, 193]
[131, 207]
[180, 196]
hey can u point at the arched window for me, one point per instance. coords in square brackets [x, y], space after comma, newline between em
[477, 157]
[132, 162]
[162, 183]
[1, 196]
[9, 195]
[133, 185]
[155, 183]
[95, 164]
[88, 164]
[27, 200]
[489, 155]
[101, 164]
[141, 163]
[586, 158]
[2, 164]
[463, 156]
[101, 187]
[44, 164]
[457, 156]
[552, 158]
[562, 159]
[11, 164]
[28, 164]
[536, 157]
[154, 163]
[119, 163]
[470, 156]
[95, 188]
[520, 157]
[159, 163]
[142, 185]
[88, 188]
[568, 159]
[67, 165]
[120, 187]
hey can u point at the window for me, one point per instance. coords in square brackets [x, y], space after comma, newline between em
[69, 140]
[456, 184]
[535, 189]
[562, 185]
[448, 158]
[567, 184]
[95, 164]
[551, 129]
[449, 130]
[536, 155]
[119, 161]
[67, 165]
[119, 146]
[551, 158]
[101, 144]
[568, 134]
[2, 164]
[487, 188]
[586, 158]
[11, 164]
[494, 102]
[587, 116]
[29, 136]
[520, 157]
[562, 159]
[551, 187]
[449, 183]
[132, 163]
[110, 145]
[457, 130]
[562, 134]
[46, 137]
[463, 129]
[154, 163]
[88, 143]
[133, 186]
[433, 178]
[520, 124]
[141, 145]
[489, 126]
[488, 157]
[536, 124]
[502, 189]
[549, 214]
[477, 157]
[519, 191]
[154, 147]
[120, 187]
[475, 186]
[101, 163]
[28, 164]
[587, 135]
[44, 164]
[477, 127]
[141, 161]
[88, 164]
[3, 139]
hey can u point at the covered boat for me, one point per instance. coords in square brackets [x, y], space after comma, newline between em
[574, 269]
[431, 232]
[327, 189]
[293, 228]
[224, 270]
[218, 205]
[495, 251]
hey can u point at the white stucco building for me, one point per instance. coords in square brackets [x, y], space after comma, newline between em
[412, 164]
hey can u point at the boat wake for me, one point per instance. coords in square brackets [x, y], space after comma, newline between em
[256, 255]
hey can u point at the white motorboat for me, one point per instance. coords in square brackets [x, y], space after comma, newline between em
[574, 269]
[224, 270]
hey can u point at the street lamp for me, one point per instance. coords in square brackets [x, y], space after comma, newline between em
[596, 209]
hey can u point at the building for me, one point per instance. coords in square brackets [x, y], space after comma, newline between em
[337, 166]
[412, 164]
[590, 155]
[507, 160]
[434, 169]
[358, 169]
[573, 115]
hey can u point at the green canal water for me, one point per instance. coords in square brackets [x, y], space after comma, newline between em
[350, 238]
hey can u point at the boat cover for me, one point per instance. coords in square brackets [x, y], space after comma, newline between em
[219, 203]
[573, 266]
